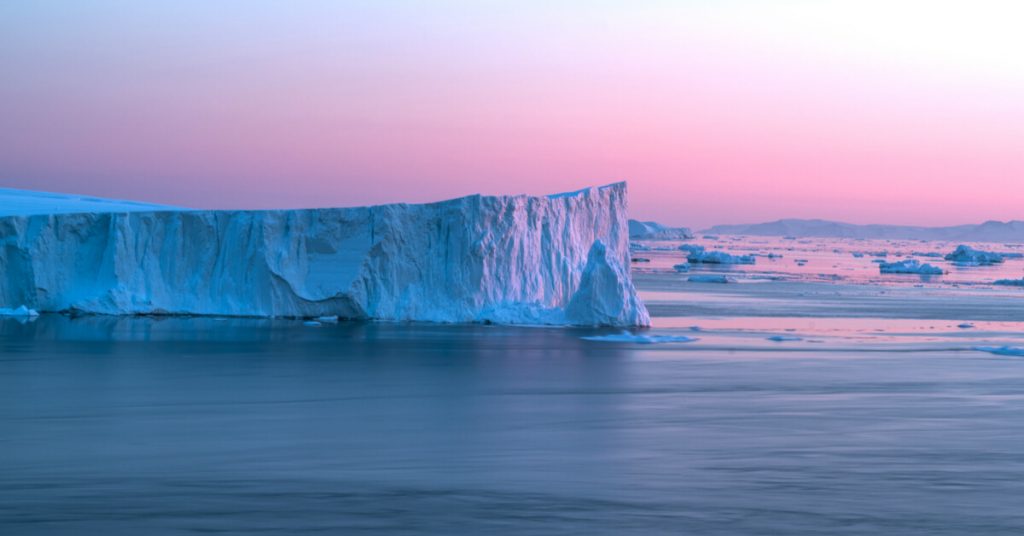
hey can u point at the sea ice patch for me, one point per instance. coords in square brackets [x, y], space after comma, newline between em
[1014, 351]
[626, 336]
[710, 278]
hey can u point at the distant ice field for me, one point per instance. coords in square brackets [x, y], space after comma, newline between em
[827, 295]
[833, 260]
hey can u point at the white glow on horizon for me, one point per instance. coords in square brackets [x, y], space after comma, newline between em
[981, 36]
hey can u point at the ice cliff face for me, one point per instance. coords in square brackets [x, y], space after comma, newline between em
[560, 259]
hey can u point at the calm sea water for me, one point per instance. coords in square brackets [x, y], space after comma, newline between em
[178, 426]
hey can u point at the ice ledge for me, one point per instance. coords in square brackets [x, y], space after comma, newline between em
[559, 260]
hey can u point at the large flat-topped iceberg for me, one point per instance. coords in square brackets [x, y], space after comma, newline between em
[560, 259]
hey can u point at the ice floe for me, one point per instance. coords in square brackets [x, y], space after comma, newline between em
[626, 336]
[21, 311]
[1015, 351]
[710, 278]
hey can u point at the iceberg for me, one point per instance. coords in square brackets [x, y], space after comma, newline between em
[560, 260]
[719, 257]
[909, 266]
[637, 246]
[968, 256]
[1009, 282]
[649, 230]
[691, 248]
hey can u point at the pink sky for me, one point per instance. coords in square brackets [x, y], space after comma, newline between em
[715, 112]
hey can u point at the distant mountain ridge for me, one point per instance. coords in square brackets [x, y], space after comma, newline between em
[990, 231]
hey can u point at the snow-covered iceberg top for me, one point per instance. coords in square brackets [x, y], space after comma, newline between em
[560, 259]
[909, 266]
[968, 256]
[15, 202]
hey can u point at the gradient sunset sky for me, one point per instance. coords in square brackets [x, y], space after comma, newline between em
[715, 111]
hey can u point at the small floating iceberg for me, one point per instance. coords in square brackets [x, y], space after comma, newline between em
[719, 257]
[909, 266]
[684, 267]
[636, 246]
[784, 338]
[968, 256]
[965, 325]
[1009, 282]
[1015, 351]
[626, 336]
[20, 312]
[691, 248]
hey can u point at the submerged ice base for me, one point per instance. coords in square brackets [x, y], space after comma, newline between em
[561, 259]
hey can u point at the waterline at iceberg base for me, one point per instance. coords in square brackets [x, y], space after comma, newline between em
[560, 259]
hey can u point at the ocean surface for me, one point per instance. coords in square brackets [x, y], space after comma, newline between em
[809, 401]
